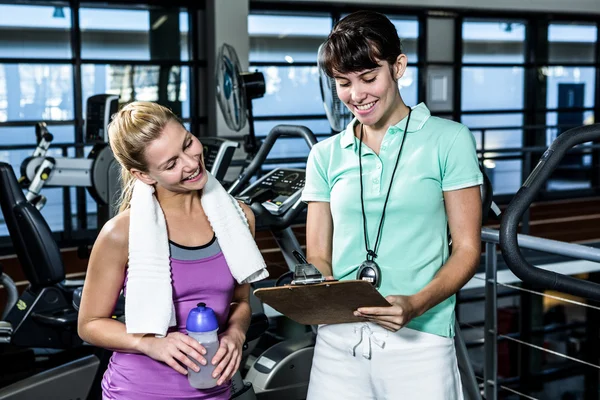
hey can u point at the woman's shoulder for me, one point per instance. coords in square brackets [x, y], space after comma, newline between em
[247, 211]
[116, 231]
[328, 143]
[445, 126]
[326, 148]
[445, 134]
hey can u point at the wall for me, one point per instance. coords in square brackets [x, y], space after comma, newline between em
[572, 6]
[227, 22]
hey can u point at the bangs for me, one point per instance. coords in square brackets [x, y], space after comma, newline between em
[344, 53]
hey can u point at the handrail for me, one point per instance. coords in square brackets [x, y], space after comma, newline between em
[55, 145]
[508, 238]
[551, 246]
[536, 149]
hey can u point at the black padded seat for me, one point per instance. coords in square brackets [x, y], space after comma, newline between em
[31, 236]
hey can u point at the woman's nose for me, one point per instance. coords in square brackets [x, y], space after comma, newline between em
[358, 94]
[190, 161]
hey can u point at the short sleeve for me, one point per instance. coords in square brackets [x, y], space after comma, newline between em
[461, 167]
[316, 187]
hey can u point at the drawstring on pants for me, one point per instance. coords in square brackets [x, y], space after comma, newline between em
[367, 336]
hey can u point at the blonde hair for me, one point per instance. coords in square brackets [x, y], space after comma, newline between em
[130, 131]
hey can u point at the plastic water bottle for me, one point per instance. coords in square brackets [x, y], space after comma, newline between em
[202, 325]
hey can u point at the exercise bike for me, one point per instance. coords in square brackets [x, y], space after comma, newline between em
[42, 317]
[282, 370]
[99, 173]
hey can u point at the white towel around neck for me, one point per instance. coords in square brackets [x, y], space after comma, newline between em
[149, 305]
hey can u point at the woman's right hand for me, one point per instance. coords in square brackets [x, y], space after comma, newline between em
[175, 350]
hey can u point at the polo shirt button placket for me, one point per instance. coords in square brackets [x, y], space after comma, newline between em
[376, 185]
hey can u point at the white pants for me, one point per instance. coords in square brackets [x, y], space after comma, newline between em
[365, 361]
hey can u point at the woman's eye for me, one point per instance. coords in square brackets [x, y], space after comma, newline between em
[344, 84]
[371, 80]
[188, 144]
[171, 166]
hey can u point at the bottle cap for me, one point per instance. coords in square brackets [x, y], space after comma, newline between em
[201, 319]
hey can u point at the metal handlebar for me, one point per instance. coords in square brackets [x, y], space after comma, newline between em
[12, 295]
[43, 138]
[521, 202]
[258, 161]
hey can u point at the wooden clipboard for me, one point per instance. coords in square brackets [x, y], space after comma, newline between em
[329, 302]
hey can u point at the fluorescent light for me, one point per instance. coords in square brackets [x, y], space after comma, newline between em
[159, 22]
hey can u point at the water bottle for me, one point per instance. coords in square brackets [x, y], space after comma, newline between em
[202, 325]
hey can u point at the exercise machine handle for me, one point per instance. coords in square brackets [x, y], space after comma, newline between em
[515, 260]
[259, 160]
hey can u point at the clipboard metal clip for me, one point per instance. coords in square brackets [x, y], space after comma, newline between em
[305, 273]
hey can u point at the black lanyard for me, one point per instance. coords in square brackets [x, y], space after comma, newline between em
[372, 254]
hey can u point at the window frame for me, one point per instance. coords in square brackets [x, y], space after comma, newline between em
[75, 226]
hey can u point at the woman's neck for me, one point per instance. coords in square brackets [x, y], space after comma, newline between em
[184, 203]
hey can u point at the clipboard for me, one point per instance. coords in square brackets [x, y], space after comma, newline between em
[329, 302]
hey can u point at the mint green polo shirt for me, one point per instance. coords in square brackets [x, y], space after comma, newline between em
[438, 155]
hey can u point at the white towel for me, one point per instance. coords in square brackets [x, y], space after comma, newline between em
[149, 300]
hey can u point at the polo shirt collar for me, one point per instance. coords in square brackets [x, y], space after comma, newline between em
[419, 115]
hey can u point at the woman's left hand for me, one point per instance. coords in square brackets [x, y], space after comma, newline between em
[392, 318]
[228, 357]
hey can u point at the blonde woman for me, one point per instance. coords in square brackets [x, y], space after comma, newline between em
[154, 147]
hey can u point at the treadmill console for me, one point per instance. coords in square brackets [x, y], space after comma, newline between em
[218, 154]
[278, 190]
[99, 110]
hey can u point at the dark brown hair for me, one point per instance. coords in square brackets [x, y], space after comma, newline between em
[358, 42]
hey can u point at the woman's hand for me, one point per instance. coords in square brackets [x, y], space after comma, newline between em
[228, 357]
[392, 318]
[174, 350]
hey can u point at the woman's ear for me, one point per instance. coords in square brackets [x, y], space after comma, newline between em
[400, 66]
[142, 176]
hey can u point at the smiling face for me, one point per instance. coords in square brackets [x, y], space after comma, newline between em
[372, 94]
[175, 160]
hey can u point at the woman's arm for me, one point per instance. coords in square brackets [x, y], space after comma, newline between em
[249, 217]
[319, 236]
[464, 218]
[231, 342]
[239, 311]
[103, 283]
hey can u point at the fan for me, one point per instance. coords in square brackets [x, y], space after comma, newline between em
[235, 91]
[338, 114]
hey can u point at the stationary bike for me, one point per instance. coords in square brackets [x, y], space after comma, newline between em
[42, 317]
[281, 371]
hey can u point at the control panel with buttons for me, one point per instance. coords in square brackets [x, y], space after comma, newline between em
[282, 188]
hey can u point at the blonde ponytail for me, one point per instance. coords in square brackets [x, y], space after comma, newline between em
[127, 182]
[131, 130]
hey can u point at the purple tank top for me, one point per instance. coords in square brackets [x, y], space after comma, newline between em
[200, 274]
